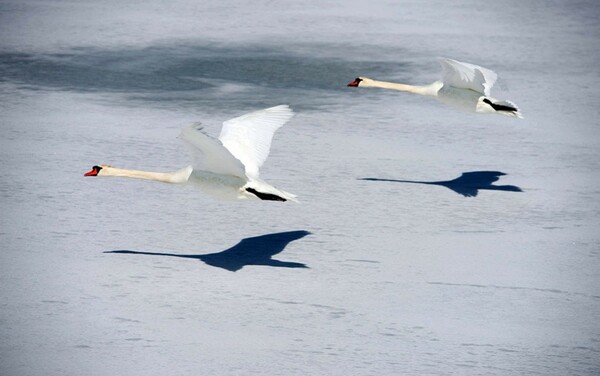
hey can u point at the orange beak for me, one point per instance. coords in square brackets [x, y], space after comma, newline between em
[94, 172]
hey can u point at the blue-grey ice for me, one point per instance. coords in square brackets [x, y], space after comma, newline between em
[400, 278]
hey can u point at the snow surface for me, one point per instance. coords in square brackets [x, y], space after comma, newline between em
[400, 278]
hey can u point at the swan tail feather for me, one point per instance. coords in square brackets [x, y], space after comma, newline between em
[290, 196]
[504, 107]
[508, 108]
[273, 195]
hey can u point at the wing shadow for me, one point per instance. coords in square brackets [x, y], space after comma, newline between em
[257, 250]
[468, 184]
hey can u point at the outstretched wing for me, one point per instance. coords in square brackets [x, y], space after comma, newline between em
[257, 250]
[249, 136]
[467, 76]
[209, 154]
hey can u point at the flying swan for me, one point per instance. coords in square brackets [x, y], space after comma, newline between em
[463, 85]
[227, 167]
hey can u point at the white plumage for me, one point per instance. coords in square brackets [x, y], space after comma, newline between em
[227, 167]
[249, 136]
[463, 85]
[467, 76]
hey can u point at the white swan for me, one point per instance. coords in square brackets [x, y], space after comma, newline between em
[227, 167]
[463, 85]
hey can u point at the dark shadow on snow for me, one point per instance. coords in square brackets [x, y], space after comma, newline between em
[468, 184]
[257, 250]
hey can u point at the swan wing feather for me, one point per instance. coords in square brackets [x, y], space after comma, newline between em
[467, 76]
[209, 154]
[248, 137]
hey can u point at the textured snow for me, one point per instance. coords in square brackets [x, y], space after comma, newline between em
[399, 278]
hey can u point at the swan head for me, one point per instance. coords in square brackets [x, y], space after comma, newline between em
[356, 82]
[362, 82]
[95, 170]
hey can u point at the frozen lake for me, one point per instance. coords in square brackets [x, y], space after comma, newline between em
[363, 277]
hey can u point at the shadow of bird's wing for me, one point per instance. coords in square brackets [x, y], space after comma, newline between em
[468, 184]
[257, 250]
[479, 179]
[465, 191]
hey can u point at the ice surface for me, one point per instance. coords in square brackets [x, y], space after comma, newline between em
[400, 278]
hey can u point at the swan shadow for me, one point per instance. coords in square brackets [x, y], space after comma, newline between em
[257, 250]
[468, 184]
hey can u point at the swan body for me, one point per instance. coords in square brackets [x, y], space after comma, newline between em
[227, 167]
[463, 85]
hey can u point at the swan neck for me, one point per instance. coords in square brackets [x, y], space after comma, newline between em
[166, 177]
[421, 90]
